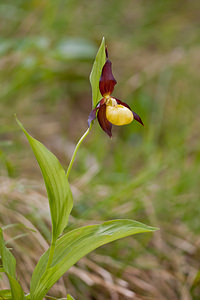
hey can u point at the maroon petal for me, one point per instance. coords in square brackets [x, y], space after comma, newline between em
[136, 117]
[122, 103]
[107, 80]
[103, 122]
[92, 116]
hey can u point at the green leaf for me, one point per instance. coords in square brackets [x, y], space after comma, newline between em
[9, 266]
[8, 260]
[17, 292]
[58, 189]
[76, 244]
[69, 297]
[96, 73]
[5, 294]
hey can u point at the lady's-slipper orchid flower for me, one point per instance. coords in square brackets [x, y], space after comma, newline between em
[110, 110]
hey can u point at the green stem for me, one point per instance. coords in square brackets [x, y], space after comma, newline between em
[51, 253]
[76, 149]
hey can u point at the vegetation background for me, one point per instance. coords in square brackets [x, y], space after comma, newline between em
[149, 174]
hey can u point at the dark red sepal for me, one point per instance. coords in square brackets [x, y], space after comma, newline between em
[107, 80]
[136, 117]
[103, 122]
[106, 50]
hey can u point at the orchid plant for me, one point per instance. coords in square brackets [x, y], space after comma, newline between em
[66, 249]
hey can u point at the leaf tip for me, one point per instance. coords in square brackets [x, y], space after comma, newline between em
[18, 122]
[153, 228]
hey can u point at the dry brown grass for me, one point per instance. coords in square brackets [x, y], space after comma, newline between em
[167, 272]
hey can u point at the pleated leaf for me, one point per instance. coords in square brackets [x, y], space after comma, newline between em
[9, 266]
[76, 244]
[96, 73]
[57, 186]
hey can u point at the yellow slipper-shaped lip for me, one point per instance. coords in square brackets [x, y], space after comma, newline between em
[119, 115]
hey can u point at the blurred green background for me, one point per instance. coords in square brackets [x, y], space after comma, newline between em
[149, 174]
